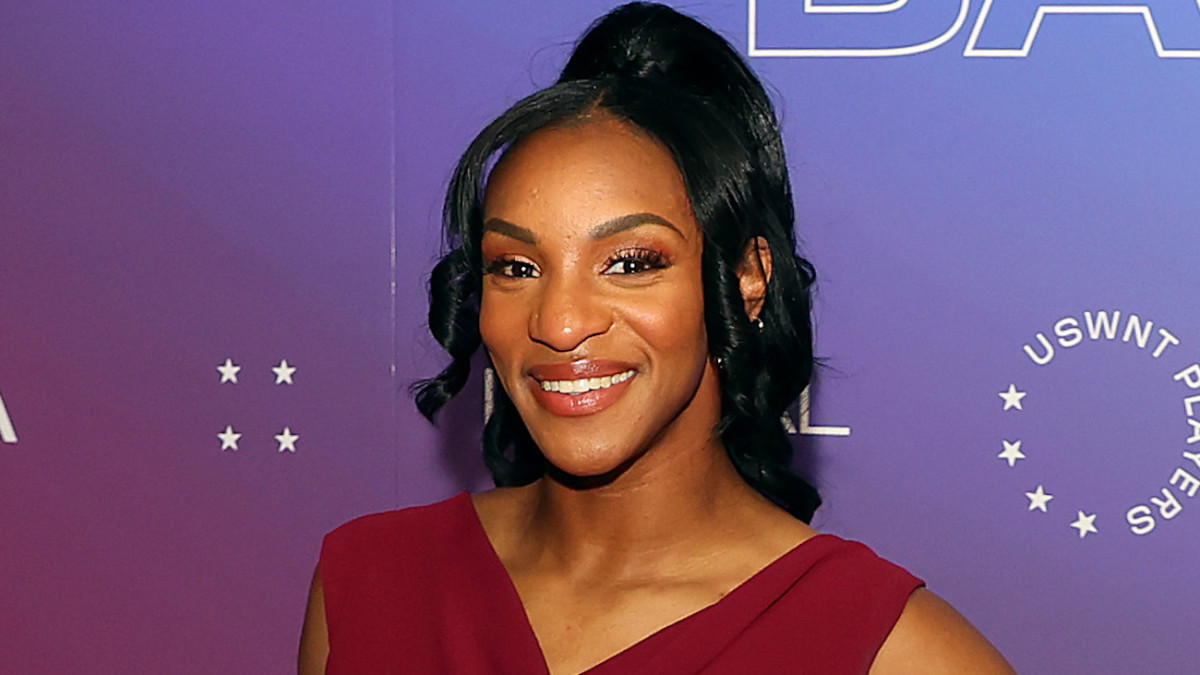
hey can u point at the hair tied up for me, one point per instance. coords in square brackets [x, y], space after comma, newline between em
[649, 42]
[668, 75]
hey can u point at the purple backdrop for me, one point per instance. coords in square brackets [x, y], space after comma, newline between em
[186, 183]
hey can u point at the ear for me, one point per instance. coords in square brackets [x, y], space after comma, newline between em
[754, 271]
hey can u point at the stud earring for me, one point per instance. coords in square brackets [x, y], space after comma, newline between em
[758, 323]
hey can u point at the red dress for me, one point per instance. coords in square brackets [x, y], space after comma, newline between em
[421, 590]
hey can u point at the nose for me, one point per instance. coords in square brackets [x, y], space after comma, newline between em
[568, 312]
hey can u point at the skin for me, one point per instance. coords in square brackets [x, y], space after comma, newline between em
[642, 519]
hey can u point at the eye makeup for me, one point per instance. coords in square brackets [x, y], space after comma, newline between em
[510, 267]
[636, 261]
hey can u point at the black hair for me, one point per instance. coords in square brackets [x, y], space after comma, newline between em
[676, 80]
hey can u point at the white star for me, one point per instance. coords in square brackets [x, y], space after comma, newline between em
[1012, 452]
[1039, 499]
[1085, 524]
[283, 372]
[229, 438]
[287, 440]
[1012, 397]
[228, 371]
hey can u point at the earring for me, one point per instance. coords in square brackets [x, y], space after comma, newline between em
[758, 323]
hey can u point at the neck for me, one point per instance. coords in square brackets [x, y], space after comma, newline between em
[627, 525]
[681, 495]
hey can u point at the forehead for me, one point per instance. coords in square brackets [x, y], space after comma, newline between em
[591, 171]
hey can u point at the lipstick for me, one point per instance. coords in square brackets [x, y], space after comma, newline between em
[581, 387]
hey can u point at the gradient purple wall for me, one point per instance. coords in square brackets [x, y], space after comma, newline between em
[182, 183]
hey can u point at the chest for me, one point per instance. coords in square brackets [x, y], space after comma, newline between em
[580, 626]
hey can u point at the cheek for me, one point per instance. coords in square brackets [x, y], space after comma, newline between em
[500, 325]
[492, 317]
[672, 324]
[487, 318]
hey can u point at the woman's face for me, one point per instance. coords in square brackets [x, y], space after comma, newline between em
[593, 307]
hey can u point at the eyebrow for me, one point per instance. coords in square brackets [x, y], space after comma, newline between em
[621, 223]
[501, 226]
[606, 229]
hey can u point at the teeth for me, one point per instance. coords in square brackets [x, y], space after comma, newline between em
[576, 387]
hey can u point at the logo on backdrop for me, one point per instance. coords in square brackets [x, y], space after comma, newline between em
[1007, 29]
[8, 433]
[1180, 381]
[283, 373]
[806, 427]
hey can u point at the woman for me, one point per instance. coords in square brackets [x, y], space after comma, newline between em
[622, 246]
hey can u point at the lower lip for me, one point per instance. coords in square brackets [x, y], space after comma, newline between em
[576, 405]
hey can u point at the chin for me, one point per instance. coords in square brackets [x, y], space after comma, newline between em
[586, 467]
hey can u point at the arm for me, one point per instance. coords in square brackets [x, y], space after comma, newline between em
[930, 637]
[314, 637]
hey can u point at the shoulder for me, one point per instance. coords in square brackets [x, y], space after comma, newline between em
[840, 596]
[906, 628]
[920, 632]
[371, 560]
[427, 516]
[861, 595]
[387, 535]
[932, 637]
[845, 566]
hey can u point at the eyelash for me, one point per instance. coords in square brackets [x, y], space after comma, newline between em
[505, 266]
[647, 259]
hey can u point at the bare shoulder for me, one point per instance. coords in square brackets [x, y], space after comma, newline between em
[932, 637]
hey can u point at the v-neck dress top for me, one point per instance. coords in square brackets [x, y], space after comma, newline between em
[421, 590]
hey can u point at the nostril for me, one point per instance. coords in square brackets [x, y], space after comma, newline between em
[565, 327]
[567, 309]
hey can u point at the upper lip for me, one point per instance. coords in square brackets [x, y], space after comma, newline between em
[577, 370]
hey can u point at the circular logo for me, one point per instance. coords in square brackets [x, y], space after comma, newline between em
[1110, 442]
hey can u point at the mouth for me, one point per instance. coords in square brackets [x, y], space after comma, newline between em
[585, 384]
[580, 388]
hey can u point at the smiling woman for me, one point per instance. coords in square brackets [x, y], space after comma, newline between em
[604, 281]
[709, 128]
[621, 244]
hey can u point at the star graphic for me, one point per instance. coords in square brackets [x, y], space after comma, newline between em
[283, 372]
[1038, 499]
[228, 371]
[229, 438]
[1012, 452]
[1012, 397]
[1085, 524]
[287, 440]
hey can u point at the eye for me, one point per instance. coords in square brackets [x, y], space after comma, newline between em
[635, 261]
[512, 268]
